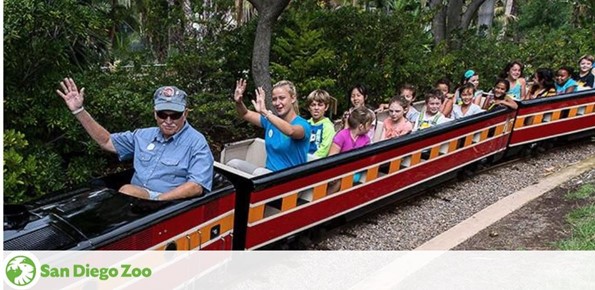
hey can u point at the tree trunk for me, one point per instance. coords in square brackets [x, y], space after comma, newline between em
[508, 8]
[485, 16]
[453, 16]
[439, 20]
[507, 16]
[188, 19]
[239, 15]
[470, 13]
[450, 17]
[268, 11]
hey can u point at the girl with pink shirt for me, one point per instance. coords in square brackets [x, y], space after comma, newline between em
[396, 125]
[355, 136]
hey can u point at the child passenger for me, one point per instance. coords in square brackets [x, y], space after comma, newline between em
[396, 125]
[355, 136]
[443, 85]
[407, 91]
[358, 95]
[585, 78]
[498, 96]
[543, 84]
[513, 73]
[431, 115]
[564, 83]
[470, 77]
[322, 128]
[467, 107]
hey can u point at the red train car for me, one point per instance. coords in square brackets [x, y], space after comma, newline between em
[100, 218]
[251, 212]
[281, 204]
[560, 116]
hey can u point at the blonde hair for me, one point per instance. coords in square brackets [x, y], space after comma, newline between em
[320, 96]
[587, 57]
[292, 92]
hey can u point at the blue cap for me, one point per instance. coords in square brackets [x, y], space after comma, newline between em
[170, 98]
[469, 74]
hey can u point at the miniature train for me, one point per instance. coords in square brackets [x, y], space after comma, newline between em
[245, 212]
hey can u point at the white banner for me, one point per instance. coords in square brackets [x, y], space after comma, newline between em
[299, 270]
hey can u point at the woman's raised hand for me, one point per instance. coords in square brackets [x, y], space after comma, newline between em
[71, 95]
[260, 104]
[239, 91]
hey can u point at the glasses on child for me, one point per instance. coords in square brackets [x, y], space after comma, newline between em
[173, 115]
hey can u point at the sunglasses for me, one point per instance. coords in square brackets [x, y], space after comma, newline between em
[174, 116]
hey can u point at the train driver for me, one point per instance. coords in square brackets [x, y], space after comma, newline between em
[171, 161]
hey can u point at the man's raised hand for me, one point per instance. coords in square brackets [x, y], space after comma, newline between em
[71, 95]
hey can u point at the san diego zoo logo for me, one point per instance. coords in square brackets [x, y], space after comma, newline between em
[21, 270]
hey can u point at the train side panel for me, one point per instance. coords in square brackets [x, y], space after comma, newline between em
[208, 226]
[558, 116]
[290, 201]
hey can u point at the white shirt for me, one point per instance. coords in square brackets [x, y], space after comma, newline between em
[457, 113]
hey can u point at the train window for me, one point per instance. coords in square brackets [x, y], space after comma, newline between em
[272, 207]
[384, 168]
[425, 155]
[406, 162]
[581, 110]
[171, 246]
[305, 196]
[564, 114]
[492, 132]
[333, 186]
[477, 137]
[528, 121]
[547, 117]
[360, 177]
[444, 148]
[461, 142]
[215, 231]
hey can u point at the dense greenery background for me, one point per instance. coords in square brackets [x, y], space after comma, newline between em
[46, 150]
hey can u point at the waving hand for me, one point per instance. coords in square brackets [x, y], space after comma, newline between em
[71, 95]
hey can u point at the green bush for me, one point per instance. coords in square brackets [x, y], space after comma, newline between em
[27, 175]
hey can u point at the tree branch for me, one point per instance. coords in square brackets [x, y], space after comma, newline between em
[471, 11]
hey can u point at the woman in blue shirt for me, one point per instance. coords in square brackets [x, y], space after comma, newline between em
[287, 135]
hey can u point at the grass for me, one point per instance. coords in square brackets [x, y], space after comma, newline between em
[582, 221]
[584, 192]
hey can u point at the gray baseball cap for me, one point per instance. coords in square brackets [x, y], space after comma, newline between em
[170, 98]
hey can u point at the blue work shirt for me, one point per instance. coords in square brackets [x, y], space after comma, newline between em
[162, 165]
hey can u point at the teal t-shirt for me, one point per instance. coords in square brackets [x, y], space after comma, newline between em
[321, 137]
[569, 83]
[282, 150]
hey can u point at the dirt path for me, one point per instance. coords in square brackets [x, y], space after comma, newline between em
[536, 226]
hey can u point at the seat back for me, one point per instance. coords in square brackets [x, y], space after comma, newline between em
[251, 150]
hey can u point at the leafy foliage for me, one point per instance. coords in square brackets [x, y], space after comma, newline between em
[27, 176]
[551, 14]
[300, 53]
